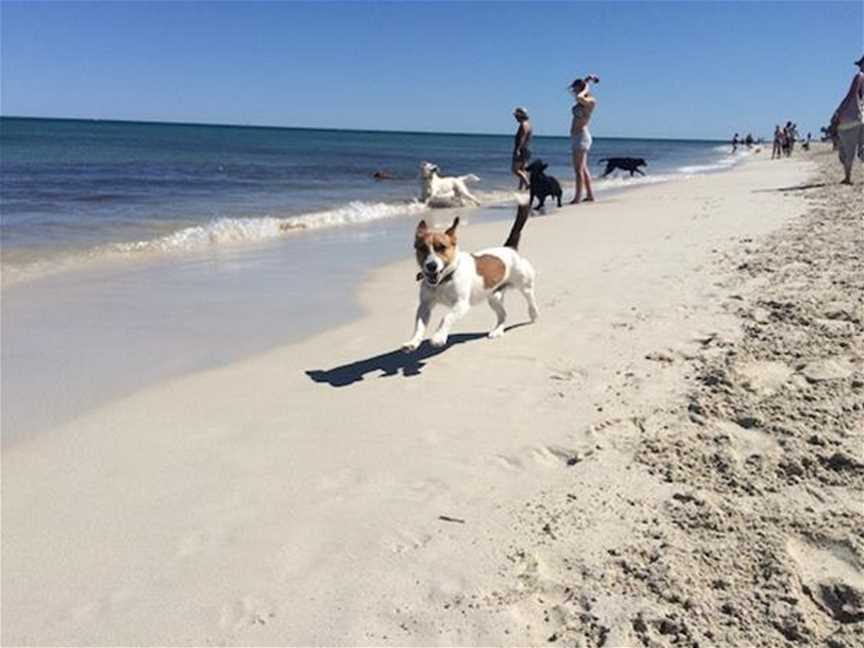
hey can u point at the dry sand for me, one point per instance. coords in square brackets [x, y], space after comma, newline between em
[671, 455]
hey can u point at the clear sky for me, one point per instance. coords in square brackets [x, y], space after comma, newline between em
[668, 69]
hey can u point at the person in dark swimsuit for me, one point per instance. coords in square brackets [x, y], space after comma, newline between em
[521, 153]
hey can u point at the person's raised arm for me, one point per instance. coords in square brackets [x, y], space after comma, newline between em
[584, 95]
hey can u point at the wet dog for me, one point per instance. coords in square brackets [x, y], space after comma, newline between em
[458, 280]
[624, 163]
[541, 184]
[451, 192]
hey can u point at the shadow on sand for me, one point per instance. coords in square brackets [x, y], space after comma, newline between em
[814, 185]
[392, 362]
[389, 364]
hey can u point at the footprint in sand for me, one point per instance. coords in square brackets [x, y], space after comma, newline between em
[763, 377]
[544, 456]
[407, 541]
[245, 613]
[832, 576]
[746, 442]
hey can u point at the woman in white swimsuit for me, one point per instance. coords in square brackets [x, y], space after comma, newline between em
[580, 136]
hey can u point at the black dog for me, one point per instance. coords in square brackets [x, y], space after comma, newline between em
[625, 164]
[541, 184]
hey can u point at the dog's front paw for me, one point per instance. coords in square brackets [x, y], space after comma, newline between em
[410, 346]
[438, 340]
[495, 333]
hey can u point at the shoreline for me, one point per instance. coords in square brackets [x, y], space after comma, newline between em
[91, 305]
[308, 492]
[229, 234]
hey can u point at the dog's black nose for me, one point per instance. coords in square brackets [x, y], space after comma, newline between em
[431, 266]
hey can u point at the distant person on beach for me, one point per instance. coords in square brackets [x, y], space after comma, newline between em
[777, 151]
[848, 123]
[521, 153]
[749, 140]
[787, 139]
[580, 136]
[735, 142]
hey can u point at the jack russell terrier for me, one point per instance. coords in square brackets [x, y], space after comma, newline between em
[459, 280]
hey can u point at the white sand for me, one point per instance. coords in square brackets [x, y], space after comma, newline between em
[253, 505]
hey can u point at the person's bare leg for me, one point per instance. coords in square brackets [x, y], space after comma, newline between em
[517, 171]
[847, 155]
[586, 178]
[578, 157]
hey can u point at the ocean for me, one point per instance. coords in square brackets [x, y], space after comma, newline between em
[74, 191]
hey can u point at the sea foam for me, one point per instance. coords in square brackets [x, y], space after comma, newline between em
[723, 163]
[238, 230]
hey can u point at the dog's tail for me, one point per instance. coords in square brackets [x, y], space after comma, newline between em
[521, 218]
[470, 178]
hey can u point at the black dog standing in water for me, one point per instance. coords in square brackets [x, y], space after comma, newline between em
[624, 163]
[541, 184]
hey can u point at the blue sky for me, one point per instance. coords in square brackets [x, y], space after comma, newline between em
[668, 69]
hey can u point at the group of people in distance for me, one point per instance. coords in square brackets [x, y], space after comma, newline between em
[737, 141]
[580, 139]
[784, 140]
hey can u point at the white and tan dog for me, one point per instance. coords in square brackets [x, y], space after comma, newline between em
[447, 192]
[459, 280]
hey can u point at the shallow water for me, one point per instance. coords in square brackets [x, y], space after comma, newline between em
[134, 258]
[75, 192]
[74, 340]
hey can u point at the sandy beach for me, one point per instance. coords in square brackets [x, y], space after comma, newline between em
[671, 455]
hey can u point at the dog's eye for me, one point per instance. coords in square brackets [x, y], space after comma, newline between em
[439, 248]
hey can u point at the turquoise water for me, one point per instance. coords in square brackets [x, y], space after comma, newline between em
[81, 190]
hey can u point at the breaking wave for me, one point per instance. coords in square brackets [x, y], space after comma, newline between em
[720, 165]
[237, 230]
[227, 231]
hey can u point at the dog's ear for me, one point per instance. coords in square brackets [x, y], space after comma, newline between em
[421, 229]
[544, 166]
[451, 231]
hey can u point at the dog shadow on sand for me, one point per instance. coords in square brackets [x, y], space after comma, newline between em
[392, 363]
[408, 363]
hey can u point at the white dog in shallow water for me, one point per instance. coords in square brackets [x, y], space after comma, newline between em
[459, 280]
[447, 192]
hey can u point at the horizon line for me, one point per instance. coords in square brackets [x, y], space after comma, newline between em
[337, 129]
